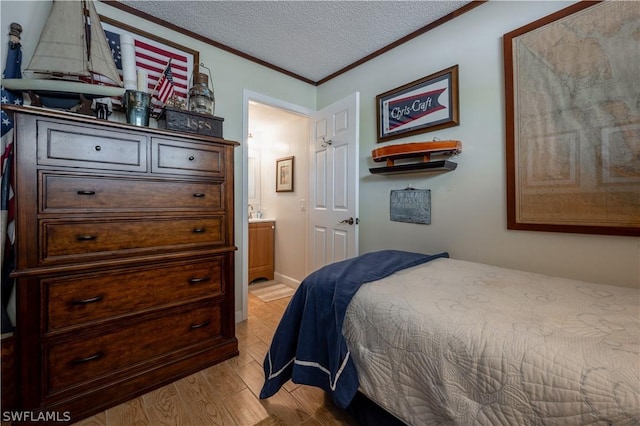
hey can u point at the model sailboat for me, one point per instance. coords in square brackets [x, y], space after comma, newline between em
[72, 47]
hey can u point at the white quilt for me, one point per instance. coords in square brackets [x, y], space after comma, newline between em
[456, 342]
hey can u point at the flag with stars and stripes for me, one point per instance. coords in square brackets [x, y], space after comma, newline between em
[12, 70]
[165, 88]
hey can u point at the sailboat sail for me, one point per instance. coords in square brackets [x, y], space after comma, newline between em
[67, 49]
[62, 42]
[100, 59]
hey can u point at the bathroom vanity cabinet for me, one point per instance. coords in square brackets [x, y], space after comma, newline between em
[261, 250]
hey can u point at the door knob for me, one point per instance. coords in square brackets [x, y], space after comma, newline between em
[347, 221]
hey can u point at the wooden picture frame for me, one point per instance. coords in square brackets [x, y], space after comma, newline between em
[572, 140]
[152, 56]
[424, 105]
[284, 174]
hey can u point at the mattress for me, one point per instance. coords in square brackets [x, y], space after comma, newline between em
[456, 342]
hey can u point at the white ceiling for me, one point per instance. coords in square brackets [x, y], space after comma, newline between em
[312, 39]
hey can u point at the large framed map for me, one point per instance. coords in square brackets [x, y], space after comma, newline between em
[572, 97]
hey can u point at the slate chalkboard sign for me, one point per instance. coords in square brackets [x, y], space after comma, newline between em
[411, 205]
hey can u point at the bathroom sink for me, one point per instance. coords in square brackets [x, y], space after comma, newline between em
[262, 219]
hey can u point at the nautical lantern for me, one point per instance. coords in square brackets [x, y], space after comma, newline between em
[201, 96]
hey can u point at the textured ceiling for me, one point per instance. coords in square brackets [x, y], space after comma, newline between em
[312, 39]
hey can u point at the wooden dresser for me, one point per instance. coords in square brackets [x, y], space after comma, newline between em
[125, 259]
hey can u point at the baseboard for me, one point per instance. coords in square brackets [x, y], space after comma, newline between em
[288, 281]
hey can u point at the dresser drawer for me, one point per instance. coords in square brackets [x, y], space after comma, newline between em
[180, 157]
[69, 240]
[79, 300]
[71, 193]
[88, 147]
[90, 358]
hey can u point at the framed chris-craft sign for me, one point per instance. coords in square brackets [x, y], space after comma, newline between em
[572, 121]
[424, 105]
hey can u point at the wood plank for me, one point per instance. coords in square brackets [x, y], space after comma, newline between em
[130, 413]
[164, 407]
[258, 351]
[224, 378]
[202, 403]
[284, 407]
[253, 375]
[245, 408]
[263, 331]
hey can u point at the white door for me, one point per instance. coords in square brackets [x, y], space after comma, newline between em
[333, 183]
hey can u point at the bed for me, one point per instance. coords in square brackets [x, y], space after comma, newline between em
[446, 341]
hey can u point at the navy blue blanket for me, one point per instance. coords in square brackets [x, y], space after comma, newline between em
[308, 346]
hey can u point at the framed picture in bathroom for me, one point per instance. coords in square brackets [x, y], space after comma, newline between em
[284, 174]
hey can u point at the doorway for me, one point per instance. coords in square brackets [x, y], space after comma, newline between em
[275, 130]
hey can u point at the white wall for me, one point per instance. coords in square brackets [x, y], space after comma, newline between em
[469, 204]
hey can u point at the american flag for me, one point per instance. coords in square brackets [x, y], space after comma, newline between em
[152, 56]
[165, 87]
[12, 70]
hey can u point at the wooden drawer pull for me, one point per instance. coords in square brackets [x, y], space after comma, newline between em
[191, 158]
[202, 324]
[86, 237]
[199, 280]
[87, 301]
[198, 230]
[198, 195]
[86, 192]
[90, 358]
[98, 148]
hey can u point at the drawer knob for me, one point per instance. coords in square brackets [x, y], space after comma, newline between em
[198, 230]
[90, 358]
[86, 237]
[98, 148]
[198, 195]
[81, 192]
[191, 158]
[202, 324]
[87, 301]
[199, 280]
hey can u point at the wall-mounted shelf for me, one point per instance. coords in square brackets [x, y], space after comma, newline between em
[431, 166]
[424, 150]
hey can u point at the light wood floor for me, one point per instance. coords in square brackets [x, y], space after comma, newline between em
[227, 393]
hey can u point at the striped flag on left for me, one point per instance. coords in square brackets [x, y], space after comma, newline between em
[12, 70]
